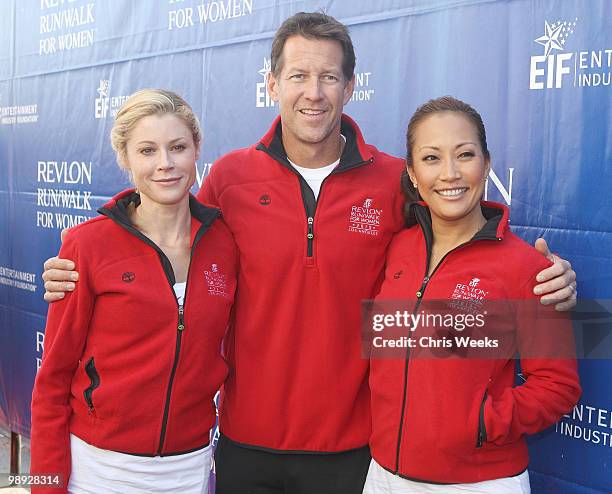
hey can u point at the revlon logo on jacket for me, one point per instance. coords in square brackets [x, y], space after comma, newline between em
[468, 296]
[364, 218]
[216, 281]
[469, 291]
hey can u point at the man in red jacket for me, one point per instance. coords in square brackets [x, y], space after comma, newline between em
[312, 208]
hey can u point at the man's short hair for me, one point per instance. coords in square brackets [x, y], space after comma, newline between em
[313, 25]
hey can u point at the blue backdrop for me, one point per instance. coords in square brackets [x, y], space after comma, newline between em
[537, 70]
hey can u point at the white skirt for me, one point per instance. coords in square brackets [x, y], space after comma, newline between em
[380, 481]
[99, 471]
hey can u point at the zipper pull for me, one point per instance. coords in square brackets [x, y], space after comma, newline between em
[310, 235]
[181, 319]
[419, 294]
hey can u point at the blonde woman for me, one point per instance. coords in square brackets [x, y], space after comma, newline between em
[123, 401]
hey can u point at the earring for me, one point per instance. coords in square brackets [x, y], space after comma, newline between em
[415, 185]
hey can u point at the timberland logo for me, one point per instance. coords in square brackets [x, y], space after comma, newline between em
[364, 218]
[265, 200]
[128, 277]
[216, 281]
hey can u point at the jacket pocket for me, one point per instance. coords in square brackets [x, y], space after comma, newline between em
[94, 377]
[482, 431]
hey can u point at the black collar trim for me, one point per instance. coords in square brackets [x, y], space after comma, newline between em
[118, 211]
[351, 157]
[419, 214]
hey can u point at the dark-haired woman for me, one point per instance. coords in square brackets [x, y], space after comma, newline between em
[447, 419]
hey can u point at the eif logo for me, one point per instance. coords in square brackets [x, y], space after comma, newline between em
[107, 105]
[103, 102]
[474, 282]
[367, 203]
[549, 69]
[558, 68]
[262, 97]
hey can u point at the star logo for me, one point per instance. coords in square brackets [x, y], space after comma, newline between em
[104, 88]
[555, 35]
[265, 70]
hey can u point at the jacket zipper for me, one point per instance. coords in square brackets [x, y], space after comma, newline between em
[308, 198]
[123, 221]
[311, 210]
[180, 328]
[419, 294]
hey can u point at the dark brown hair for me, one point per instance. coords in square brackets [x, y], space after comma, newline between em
[433, 106]
[313, 25]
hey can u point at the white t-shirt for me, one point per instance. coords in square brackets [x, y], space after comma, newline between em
[179, 291]
[96, 470]
[314, 176]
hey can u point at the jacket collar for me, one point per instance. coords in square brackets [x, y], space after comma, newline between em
[117, 210]
[355, 153]
[496, 214]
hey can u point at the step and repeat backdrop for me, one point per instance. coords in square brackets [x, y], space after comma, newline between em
[537, 70]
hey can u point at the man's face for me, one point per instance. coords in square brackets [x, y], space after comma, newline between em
[311, 90]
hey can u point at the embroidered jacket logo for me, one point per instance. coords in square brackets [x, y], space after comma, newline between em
[216, 281]
[469, 291]
[468, 297]
[364, 218]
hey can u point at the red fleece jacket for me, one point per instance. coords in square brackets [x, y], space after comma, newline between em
[124, 367]
[297, 379]
[462, 419]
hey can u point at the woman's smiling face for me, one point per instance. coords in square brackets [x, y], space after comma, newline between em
[449, 166]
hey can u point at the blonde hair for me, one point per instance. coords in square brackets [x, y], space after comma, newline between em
[148, 102]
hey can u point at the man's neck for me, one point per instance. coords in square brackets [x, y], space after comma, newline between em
[315, 155]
